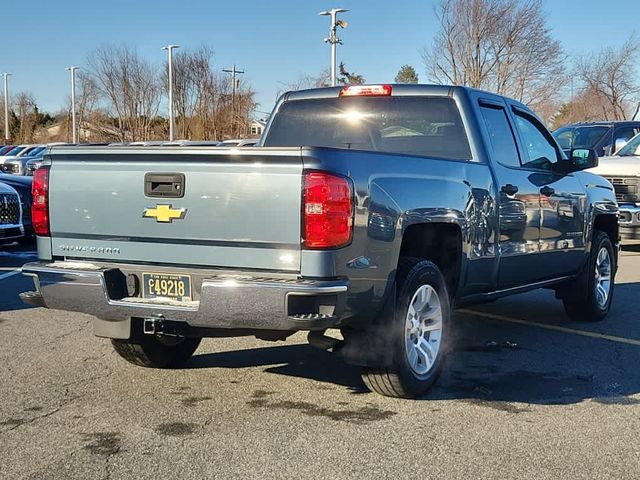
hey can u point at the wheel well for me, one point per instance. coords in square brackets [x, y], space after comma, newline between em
[439, 242]
[607, 224]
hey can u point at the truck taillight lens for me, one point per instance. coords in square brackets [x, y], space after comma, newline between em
[327, 210]
[40, 205]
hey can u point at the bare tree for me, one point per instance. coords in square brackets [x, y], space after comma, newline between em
[500, 45]
[232, 113]
[87, 99]
[194, 91]
[86, 104]
[305, 81]
[27, 116]
[611, 80]
[129, 85]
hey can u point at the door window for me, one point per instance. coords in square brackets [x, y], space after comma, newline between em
[539, 147]
[501, 136]
[626, 133]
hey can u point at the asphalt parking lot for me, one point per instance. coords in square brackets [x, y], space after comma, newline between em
[526, 394]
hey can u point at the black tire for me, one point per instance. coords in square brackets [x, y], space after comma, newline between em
[581, 302]
[152, 351]
[400, 380]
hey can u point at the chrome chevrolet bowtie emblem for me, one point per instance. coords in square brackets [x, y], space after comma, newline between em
[165, 213]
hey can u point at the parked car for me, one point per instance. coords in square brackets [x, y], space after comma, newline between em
[149, 143]
[20, 151]
[245, 142]
[6, 148]
[373, 230]
[32, 165]
[605, 138]
[18, 165]
[13, 152]
[11, 228]
[197, 143]
[22, 185]
[623, 171]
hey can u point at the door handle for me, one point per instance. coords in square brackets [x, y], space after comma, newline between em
[547, 191]
[164, 185]
[509, 189]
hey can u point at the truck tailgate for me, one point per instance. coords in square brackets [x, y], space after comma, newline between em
[239, 208]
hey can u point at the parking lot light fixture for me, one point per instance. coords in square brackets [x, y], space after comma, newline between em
[333, 37]
[74, 129]
[7, 137]
[169, 49]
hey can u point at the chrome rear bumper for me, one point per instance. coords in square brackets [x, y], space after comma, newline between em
[226, 301]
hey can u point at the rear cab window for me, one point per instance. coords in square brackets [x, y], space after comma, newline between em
[419, 126]
[501, 137]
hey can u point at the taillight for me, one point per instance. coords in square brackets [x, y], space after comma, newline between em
[40, 202]
[327, 210]
[366, 91]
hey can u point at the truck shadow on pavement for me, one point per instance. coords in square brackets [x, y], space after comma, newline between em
[498, 361]
[300, 360]
[495, 363]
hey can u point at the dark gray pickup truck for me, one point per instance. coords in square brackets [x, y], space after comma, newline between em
[373, 209]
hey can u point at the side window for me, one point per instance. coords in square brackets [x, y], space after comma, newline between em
[501, 136]
[627, 133]
[541, 152]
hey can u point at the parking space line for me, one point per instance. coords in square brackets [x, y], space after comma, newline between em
[557, 328]
[10, 274]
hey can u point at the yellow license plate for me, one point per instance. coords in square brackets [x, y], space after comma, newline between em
[175, 287]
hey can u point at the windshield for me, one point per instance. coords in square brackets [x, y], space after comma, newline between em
[631, 149]
[425, 126]
[37, 151]
[28, 151]
[14, 151]
[580, 137]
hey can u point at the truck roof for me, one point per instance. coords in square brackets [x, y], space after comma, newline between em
[397, 89]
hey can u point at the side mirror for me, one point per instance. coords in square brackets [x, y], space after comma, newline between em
[582, 159]
[620, 142]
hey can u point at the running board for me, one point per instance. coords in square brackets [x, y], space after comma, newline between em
[487, 297]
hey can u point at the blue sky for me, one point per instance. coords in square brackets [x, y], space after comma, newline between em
[273, 41]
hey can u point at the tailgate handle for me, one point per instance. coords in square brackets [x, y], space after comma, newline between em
[164, 185]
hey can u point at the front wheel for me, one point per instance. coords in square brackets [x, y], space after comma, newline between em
[590, 296]
[417, 332]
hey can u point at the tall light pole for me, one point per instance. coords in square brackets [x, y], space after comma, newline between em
[169, 49]
[333, 37]
[74, 129]
[6, 109]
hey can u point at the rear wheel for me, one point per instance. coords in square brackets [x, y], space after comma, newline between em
[417, 333]
[589, 298]
[156, 351]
